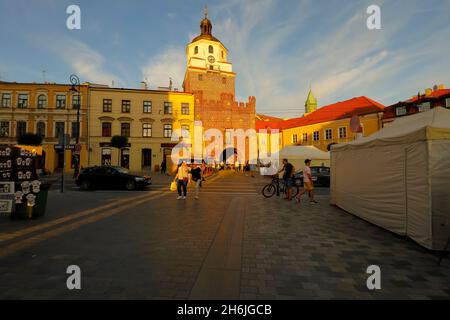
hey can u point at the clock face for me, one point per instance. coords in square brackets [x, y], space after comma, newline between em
[211, 59]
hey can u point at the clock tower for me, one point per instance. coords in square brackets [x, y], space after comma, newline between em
[207, 66]
[210, 77]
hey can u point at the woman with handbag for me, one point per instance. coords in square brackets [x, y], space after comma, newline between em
[182, 179]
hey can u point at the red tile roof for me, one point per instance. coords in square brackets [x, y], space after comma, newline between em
[434, 94]
[336, 111]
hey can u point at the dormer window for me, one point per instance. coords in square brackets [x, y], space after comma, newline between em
[196, 50]
[210, 49]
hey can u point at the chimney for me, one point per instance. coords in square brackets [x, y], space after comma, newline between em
[144, 85]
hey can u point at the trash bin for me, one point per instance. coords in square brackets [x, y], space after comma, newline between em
[24, 211]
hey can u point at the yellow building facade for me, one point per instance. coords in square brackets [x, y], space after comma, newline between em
[327, 125]
[147, 117]
[46, 109]
[322, 135]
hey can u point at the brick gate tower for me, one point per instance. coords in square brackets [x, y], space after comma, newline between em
[210, 77]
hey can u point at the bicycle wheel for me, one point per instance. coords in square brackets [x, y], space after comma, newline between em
[269, 190]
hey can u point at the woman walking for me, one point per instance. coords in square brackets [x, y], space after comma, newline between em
[182, 179]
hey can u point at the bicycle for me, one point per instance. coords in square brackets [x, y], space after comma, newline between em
[277, 186]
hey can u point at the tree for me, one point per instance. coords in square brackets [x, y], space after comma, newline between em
[30, 139]
[119, 142]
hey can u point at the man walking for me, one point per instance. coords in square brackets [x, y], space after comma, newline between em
[308, 185]
[288, 174]
[196, 176]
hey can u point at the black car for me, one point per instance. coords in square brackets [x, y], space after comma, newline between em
[106, 177]
[320, 176]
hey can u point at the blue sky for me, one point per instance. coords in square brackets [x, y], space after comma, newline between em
[278, 47]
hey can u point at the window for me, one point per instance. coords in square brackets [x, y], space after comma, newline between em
[167, 107]
[106, 157]
[42, 101]
[147, 107]
[125, 129]
[75, 130]
[342, 132]
[185, 108]
[224, 80]
[196, 50]
[424, 106]
[305, 137]
[185, 130]
[23, 101]
[107, 105]
[210, 49]
[400, 111]
[6, 100]
[106, 129]
[59, 129]
[126, 106]
[4, 129]
[222, 54]
[316, 136]
[146, 130]
[167, 130]
[328, 134]
[294, 139]
[200, 77]
[447, 102]
[21, 128]
[60, 101]
[40, 129]
[76, 101]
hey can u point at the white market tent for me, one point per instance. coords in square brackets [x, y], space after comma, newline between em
[298, 154]
[399, 177]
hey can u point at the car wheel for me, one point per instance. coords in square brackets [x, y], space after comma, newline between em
[131, 185]
[85, 185]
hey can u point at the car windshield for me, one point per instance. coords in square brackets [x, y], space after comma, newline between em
[121, 170]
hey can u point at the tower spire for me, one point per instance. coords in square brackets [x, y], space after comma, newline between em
[206, 11]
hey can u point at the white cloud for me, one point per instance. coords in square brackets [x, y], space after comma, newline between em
[169, 64]
[87, 63]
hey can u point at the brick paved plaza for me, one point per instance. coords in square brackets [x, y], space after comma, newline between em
[231, 244]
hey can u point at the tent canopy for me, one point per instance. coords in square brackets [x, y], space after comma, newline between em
[298, 154]
[430, 125]
[397, 178]
[303, 152]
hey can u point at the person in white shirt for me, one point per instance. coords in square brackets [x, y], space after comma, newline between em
[308, 185]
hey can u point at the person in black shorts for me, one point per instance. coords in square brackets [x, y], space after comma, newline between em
[196, 176]
[288, 176]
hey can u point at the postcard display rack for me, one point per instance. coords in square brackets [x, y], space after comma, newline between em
[19, 184]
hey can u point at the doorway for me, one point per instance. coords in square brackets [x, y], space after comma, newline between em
[146, 158]
[125, 158]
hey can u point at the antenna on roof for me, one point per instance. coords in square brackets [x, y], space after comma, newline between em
[43, 75]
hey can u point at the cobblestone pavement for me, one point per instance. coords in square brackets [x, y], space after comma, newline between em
[306, 251]
[230, 244]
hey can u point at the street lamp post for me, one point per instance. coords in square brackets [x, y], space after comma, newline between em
[76, 87]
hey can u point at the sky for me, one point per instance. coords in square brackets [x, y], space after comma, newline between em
[279, 48]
